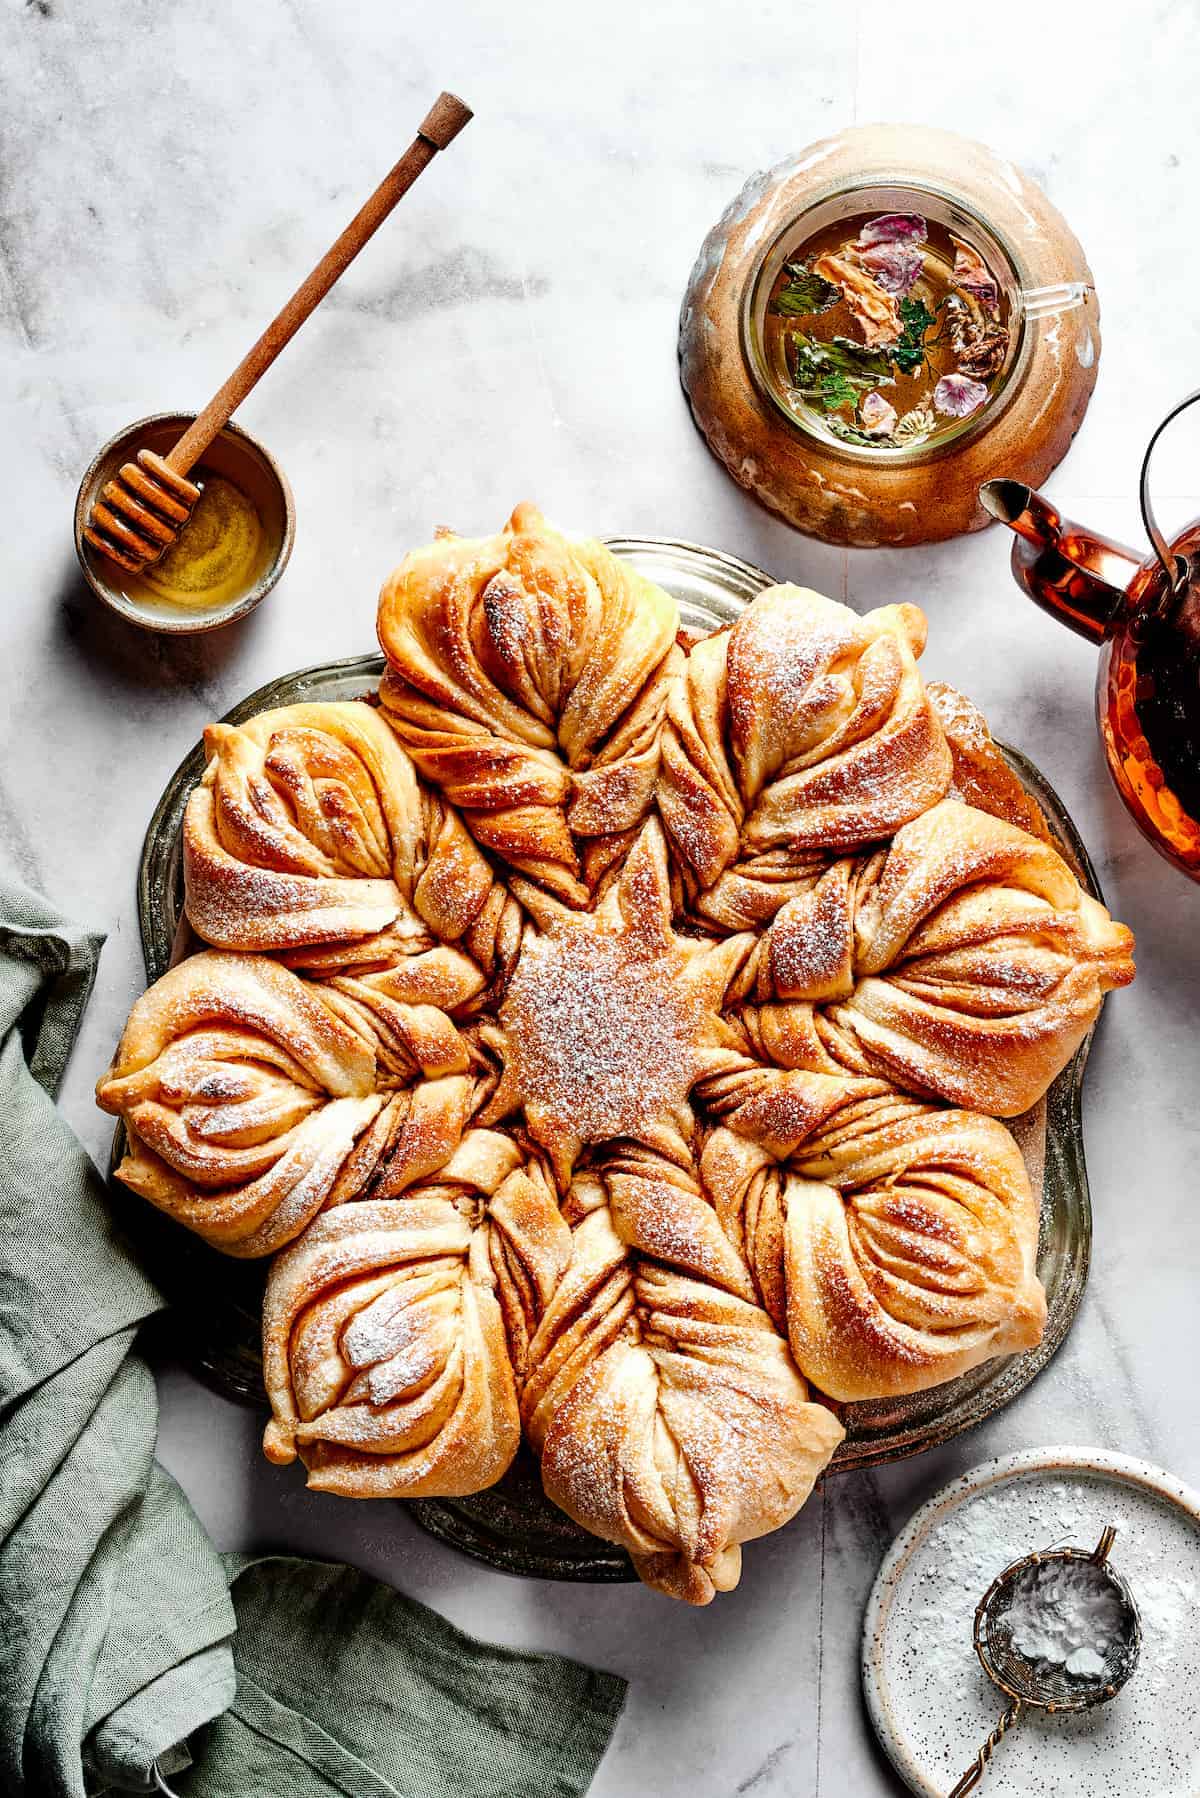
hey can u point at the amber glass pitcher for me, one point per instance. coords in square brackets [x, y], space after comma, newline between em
[1145, 617]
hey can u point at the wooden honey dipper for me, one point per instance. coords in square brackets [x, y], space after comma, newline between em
[139, 514]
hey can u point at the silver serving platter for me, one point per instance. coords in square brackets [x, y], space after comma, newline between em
[216, 1301]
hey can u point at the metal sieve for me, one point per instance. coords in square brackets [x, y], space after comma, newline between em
[1045, 1685]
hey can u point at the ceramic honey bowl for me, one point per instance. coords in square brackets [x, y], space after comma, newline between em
[234, 550]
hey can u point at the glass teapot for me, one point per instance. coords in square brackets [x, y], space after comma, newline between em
[1145, 617]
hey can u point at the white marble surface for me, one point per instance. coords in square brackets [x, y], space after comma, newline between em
[169, 172]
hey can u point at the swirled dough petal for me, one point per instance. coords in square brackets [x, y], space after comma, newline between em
[395, 1330]
[305, 829]
[899, 1247]
[804, 727]
[527, 677]
[243, 1096]
[964, 961]
[250, 1103]
[920, 1264]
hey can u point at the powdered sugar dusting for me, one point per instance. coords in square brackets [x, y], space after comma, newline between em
[603, 1032]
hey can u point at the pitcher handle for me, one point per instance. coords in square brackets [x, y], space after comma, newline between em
[1174, 567]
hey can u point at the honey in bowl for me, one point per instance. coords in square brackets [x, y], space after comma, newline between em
[226, 557]
[217, 556]
[887, 331]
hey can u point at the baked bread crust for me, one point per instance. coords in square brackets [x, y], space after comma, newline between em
[608, 1042]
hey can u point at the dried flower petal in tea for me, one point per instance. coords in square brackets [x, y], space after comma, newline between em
[957, 396]
[972, 275]
[896, 266]
[875, 311]
[893, 227]
[878, 415]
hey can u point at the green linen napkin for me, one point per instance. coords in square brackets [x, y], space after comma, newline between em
[450, 1718]
[119, 1662]
[107, 1581]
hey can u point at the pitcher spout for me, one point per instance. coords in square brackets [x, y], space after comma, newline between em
[1023, 510]
[1077, 575]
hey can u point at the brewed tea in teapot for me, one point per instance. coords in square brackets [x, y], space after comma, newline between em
[1145, 616]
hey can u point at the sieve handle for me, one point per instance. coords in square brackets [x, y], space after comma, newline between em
[975, 1771]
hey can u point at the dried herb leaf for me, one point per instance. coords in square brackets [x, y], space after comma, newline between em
[804, 294]
[812, 360]
[979, 346]
[985, 358]
[908, 352]
[838, 391]
[851, 433]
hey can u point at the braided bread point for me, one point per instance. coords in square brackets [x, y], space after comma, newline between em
[981, 776]
[666, 1406]
[528, 675]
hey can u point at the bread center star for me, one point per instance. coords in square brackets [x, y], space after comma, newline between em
[606, 1030]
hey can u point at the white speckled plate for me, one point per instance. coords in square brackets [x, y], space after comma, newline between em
[931, 1702]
